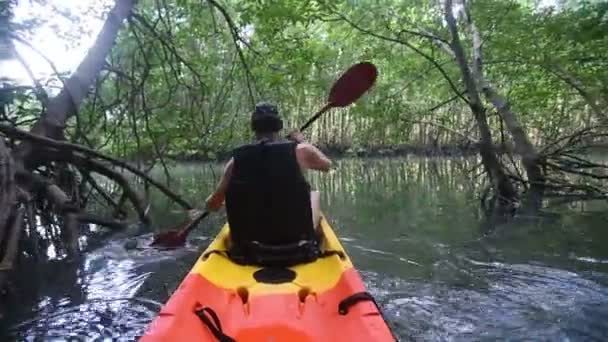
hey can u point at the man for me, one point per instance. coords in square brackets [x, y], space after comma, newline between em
[268, 200]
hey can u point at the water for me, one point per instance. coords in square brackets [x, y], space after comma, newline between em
[412, 228]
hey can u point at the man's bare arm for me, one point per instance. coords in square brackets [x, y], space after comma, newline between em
[312, 158]
[216, 200]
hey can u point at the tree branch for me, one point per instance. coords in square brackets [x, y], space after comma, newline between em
[236, 38]
[41, 95]
[66, 103]
[170, 47]
[445, 128]
[17, 133]
[410, 46]
[92, 218]
[443, 103]
[575, 83]
[574, 171]
[39, 53]
[89, 179]
[98, 167]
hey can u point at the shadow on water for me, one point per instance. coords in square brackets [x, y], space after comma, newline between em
[411, 226]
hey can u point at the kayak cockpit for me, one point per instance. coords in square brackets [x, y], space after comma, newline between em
[258, 254]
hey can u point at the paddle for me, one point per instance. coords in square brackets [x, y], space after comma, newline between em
[177, 236]
[346, 90]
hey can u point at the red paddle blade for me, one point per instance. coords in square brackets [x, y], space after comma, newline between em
[177, 236]
[352, 84]
[169, 239]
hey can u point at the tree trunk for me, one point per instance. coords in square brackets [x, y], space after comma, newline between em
[17, 167]
[66, 103]
[523, 146]
[501, 183]
[7, 190]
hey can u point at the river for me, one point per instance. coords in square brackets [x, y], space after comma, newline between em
[412, 227]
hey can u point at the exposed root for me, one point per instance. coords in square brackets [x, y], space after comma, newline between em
[11, 247]
[7, 188]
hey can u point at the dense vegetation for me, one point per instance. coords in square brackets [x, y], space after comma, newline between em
[174, 78]
[177, 79]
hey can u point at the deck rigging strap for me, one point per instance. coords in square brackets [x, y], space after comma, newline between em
[353, 299]
[346, 303]
[331, 252]
[214, 251]
[213, 323]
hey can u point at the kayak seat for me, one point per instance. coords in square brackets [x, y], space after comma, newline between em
[267, 255]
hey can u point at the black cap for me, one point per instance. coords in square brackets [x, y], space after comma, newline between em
[265, 118]
[265, 110]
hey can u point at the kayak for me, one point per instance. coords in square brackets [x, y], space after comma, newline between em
[220, 300]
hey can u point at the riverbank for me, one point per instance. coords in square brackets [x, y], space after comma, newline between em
[337, 151]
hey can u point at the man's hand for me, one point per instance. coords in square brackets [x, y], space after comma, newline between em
[193, 213]
[214, 202]
[296, 136]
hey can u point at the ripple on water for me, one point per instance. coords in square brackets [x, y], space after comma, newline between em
[115, 320]
[520, 302]
[105, 308]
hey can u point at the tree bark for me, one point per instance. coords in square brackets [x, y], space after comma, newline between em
[66, 103]
[7, 189]
[523, 146]
[7, 260]
[501, 183]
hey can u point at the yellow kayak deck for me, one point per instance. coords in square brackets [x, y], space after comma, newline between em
[318, 276]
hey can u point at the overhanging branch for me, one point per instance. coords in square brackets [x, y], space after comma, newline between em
[47, 142]
[410, 46]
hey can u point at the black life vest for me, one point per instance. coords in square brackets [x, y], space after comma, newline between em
[268, 198]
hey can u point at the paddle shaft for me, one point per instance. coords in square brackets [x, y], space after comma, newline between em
[196, 221]
[316, 116]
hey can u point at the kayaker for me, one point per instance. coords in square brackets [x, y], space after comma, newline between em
[268, 200]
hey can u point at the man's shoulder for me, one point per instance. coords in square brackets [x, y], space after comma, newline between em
[305, 147]
[306, 151]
